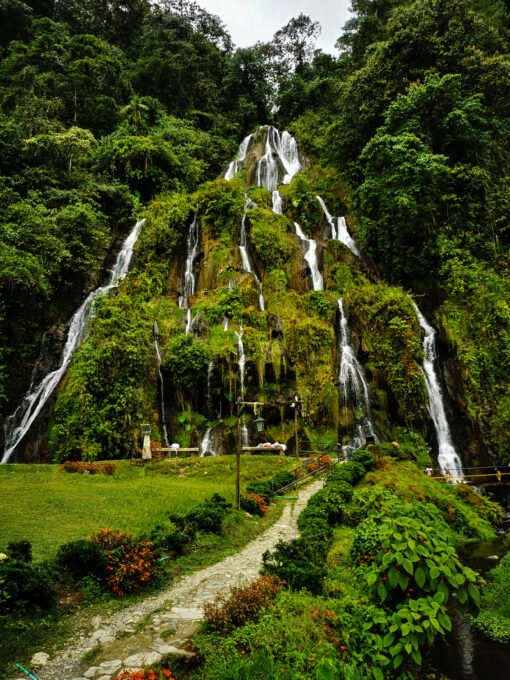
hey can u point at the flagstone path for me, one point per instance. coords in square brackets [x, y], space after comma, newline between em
[143, 633]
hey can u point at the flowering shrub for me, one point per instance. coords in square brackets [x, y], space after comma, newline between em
[145, 675]
[73, 466]
[318, 462]
[242, 604]
[129, 564]
[254, 504]
[329, 621]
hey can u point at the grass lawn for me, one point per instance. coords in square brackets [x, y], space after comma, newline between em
[48, 507]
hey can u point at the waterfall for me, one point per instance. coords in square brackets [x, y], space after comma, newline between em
[17, 425]
[207, 445]
[189, 275]
[282, 148]
[166, 441]
[289, 156]
[448, 458]
[277, 202]
[245, 437]
[236, 164]
[352, 381]
[339, 230]
[210, 369]
[243, 249]
[242, 357]
[311, 258]
[267, 167]
[243, 245]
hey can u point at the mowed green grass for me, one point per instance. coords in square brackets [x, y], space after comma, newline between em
[49, 507]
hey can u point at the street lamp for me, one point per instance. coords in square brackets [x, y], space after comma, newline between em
[259, 422]
[298, 405]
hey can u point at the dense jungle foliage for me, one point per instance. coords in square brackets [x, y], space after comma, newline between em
[112, 110]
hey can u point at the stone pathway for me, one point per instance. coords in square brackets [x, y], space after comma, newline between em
[163, 624]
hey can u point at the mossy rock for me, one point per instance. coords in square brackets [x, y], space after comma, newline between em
[273, 245]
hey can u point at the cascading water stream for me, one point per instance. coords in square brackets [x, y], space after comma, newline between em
[207, 445]
[289, 156]
[339, 229]
[277, 202]
[189, 275]
[280, 152]
[281, 148]
[245, 437]
[243, 249]
[210, 370]
[166, 441]
[236, 164]
[353, 383]
[311, 258]
[267, 167]
[448, 459]
[17, 425]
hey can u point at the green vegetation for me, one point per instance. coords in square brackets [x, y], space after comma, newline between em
[494, 616]
[56, 506]
[380, 558]
[194, 529]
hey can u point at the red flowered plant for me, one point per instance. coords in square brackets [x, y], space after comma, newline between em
[242, 604]
[129, 563]
[145, 675]
[254, 504]
[74, 466]
[318, 462]
[329, 621]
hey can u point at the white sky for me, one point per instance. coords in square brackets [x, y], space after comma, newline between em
[249, 21]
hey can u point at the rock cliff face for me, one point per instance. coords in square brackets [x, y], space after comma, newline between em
[247, 308]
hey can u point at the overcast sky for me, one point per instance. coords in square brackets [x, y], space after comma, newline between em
[248, 21]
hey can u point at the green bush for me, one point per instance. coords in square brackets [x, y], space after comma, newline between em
[20, 551]
[350, 472]
[263, 489]
[341, 489]
[282, 479]
[27, 586]
[298, 563]
[272, 244]
[365, 458]
[186, 362]
[171, 538]
[330, 502]
[221, 203]
[494, 617]
[80, 558]
[494, 626]
[207, 516]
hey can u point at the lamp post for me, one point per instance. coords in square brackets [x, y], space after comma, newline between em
[259, 422]
[298, 406]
